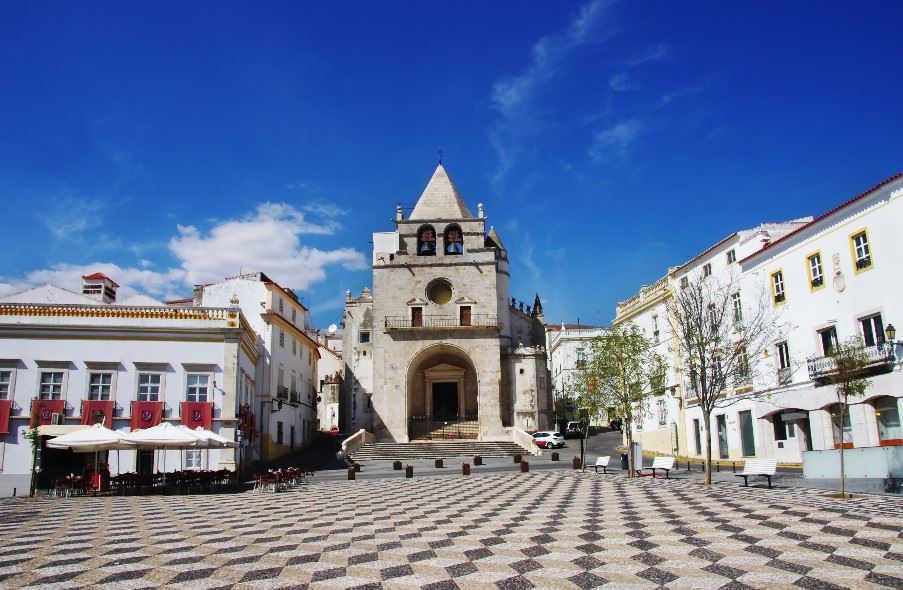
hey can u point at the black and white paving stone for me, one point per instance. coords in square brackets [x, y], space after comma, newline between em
[556, 530]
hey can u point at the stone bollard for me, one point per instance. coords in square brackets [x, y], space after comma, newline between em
[351, 475]
[465, 468]
[396, 465]
[576, 463]
[517, 458]
[439, 464]
[524, 467]
[554, 456]
[477, 460]
[409, 471]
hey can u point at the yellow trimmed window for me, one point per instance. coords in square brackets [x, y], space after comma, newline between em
[862, 251]
[816, 271]
[778, 294]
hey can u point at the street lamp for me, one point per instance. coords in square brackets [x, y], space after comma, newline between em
[891, 333]
[240, 439]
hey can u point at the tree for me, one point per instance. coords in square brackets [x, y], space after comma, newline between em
[622, 371]
[850, 360]
[34, 438]
[717, 335]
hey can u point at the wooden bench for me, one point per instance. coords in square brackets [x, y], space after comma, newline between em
[760, 467]
[603, 463]
[665, 464]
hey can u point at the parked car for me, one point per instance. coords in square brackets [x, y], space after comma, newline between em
[548, 440]
[573, 430]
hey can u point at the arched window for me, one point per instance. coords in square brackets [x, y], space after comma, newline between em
[887, 414]
[454, 240]
[426, 241]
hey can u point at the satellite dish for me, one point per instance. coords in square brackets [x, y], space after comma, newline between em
[332, 328]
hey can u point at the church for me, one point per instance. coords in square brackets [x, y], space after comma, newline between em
[438, 349]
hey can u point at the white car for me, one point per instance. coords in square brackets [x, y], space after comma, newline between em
[548, 439]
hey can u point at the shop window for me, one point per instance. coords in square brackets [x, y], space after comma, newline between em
[887, 414]
[847, 427]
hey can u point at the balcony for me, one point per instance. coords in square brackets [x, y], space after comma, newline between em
[691, 390]
[881, 359]
[294, 397]
[785, 376]
[441, 322]
[282, 393]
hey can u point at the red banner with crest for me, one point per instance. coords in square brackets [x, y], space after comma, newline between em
[196, 414]
[146, 414]
[44, 409]
[6, 406]
[96, 411]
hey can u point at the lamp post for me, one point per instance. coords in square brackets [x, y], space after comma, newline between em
[891, 333]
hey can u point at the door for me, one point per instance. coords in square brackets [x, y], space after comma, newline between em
[445, 401]
[465, 315]
[416, 317]
[722, 437]
[747, 435]
[697, 436]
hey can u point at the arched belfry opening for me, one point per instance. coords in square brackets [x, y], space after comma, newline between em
[442, 395]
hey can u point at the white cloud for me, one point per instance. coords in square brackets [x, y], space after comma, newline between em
[654, 53]
[513, 97]
[615, 140]
[268, 240]
[621, 82]
[69, 217]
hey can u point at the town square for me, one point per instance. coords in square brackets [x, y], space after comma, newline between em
[482, 295]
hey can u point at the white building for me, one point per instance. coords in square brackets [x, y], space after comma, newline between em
[68, 360]
[330, 371]
[672, 422]
[287, 382]
[833, 278]
[568, 346]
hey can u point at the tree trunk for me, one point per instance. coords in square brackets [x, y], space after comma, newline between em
[707, 427]
[630, 462]
[843, 493]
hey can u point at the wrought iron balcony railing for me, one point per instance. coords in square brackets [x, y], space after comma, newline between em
[435, 321]
[880, 358]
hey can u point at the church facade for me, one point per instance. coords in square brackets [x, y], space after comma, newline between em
[438, 348]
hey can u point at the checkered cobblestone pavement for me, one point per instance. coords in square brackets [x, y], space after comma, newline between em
[556, 530]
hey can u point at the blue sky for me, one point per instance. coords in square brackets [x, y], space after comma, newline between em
[167, 144]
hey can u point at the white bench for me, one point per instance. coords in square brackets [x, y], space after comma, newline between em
[665, 464]
[603, 463]
[760, 467]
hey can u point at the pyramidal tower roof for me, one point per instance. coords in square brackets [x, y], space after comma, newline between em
[440, 199]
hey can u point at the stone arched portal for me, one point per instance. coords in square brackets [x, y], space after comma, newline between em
[442, 395]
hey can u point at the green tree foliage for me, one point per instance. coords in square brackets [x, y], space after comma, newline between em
[621, 372]
[850, 360]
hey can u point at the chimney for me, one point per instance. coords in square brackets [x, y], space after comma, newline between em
[100, 287]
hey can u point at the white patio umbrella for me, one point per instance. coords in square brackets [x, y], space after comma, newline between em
[165, 436]
[90, 440]
[211, 440]
[95, 439]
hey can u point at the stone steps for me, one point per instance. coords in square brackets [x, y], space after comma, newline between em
[435, 450]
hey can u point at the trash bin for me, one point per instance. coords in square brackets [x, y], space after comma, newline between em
[624, 464]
